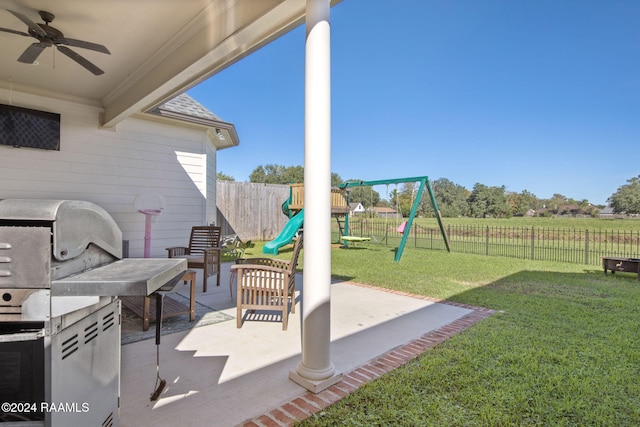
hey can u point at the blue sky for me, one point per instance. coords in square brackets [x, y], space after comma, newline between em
[538, 95]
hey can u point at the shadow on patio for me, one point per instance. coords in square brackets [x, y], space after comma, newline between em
[218, 375]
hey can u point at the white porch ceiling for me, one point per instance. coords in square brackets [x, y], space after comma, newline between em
[159, 48]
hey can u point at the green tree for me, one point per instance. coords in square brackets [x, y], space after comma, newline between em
[627, 198]
[514, 203]
[294, 174]
[406, 197]
[556, 202]
[528, 200]
[520, 203]
[451, 199]
[488, 202]
[335, 179]
[260, 174]
[223, 177]
[586, 208]
[279, 174]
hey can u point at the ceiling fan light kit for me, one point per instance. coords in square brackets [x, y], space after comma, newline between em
[48, 36]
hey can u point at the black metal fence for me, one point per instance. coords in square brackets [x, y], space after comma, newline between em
[535, 243]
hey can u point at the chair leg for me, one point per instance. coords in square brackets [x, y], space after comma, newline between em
[231, 280]
[238, 301]
[205, 276]
[216, 266]
[292, 295]
[192, 297]
[285, 314]
[239, 316]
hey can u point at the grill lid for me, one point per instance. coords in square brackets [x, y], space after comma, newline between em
[75, 224]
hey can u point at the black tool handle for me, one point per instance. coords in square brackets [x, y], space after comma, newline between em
[159, 298]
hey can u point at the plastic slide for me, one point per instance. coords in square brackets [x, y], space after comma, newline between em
[286, 235]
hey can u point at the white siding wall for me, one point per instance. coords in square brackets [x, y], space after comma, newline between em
[112, 167]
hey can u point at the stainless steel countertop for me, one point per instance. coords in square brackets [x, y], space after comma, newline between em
[126, 277]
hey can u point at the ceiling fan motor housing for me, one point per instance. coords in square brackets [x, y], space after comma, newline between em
[52, 33]
[47, 16]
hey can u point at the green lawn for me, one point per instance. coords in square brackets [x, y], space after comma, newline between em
[562, 350]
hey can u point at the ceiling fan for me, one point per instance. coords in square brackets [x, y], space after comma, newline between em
[48, 36]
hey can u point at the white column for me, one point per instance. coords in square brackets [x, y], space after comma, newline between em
[316, 372]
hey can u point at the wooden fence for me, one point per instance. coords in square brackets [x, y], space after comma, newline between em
[252, 211]
[536, 243]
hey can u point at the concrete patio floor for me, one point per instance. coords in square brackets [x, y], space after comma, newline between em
[219, 375]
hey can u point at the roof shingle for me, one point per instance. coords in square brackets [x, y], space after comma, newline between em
[185, 104]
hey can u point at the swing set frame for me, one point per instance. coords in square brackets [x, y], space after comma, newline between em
[424, 183]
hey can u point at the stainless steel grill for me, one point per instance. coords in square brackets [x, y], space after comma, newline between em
[61, 274]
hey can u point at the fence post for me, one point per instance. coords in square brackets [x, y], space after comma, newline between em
[487, 242]
[533, 243]
[586, 247]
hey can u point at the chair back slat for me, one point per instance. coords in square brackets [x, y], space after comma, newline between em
[204, 236]
[296, 252]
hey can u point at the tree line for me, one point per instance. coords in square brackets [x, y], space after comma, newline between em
[454, 200]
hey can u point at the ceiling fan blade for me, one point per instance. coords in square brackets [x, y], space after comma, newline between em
[32, 25]
[83, 44]
[7, 30]
[80, 60]
[30, 55]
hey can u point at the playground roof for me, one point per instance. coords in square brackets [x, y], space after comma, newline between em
[384, 210]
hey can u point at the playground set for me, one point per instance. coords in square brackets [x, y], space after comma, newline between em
[293, 207]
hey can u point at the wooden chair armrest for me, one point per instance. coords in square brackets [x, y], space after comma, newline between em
[272, 262]
[248, 268]
[177, 251]
[212, 255]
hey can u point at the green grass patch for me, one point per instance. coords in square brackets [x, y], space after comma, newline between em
[563, 348]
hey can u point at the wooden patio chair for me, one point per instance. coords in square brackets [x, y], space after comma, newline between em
[203, 252]
[267, 284]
